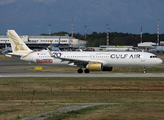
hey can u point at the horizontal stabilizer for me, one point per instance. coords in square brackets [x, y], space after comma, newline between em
[13, 56]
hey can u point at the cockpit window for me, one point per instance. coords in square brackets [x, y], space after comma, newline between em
[153, 56]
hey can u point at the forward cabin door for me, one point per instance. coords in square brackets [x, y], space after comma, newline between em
[143, 58]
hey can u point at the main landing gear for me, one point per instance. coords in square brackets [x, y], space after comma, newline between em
[81, 71]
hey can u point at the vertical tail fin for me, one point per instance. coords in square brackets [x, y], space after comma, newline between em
[18, 46]
[59, 40]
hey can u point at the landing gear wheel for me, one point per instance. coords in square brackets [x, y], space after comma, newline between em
[80, 71]
[86, 71]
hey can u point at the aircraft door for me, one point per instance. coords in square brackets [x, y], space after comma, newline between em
[142, 58]
[31, 57]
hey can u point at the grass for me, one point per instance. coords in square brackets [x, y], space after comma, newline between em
[161, 56]
[15, 103]
[19, 111]
[78, 113]
[116, 112]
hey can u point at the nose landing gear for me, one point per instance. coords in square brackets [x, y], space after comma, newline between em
[144, 70]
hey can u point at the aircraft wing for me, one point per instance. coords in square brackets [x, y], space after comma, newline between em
[4, 51]
[73, 61]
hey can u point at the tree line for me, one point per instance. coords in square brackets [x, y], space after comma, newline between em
[96, 39]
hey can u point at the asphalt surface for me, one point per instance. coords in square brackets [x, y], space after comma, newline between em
[16, 68]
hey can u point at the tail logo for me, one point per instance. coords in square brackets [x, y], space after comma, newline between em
[18, 45]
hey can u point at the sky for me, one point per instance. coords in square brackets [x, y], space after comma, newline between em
[125, 16]
[3, 2]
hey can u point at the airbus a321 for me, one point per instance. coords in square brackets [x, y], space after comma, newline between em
[91, 61]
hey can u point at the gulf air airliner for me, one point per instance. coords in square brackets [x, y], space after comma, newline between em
[90, 61]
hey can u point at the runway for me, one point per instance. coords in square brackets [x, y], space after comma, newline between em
[16, 68]
[43, 74]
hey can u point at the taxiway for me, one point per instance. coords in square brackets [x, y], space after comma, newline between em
[16, 68]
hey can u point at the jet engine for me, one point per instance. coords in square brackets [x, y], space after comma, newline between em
[95, 66]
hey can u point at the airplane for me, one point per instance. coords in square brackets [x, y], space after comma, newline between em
[7, 49]
[159, 48]
[91, 61]
[119, 49]
[55, 47]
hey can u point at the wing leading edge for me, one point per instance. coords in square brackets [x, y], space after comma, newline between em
[78, 62]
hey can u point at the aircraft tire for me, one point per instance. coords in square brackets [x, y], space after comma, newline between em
[80, 71]
[86, 71]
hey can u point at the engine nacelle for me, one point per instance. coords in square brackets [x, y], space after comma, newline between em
[95, 66]
[107, 68]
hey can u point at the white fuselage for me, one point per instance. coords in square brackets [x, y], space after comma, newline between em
[109, 59]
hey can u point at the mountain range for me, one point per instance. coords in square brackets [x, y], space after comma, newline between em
[28, 17]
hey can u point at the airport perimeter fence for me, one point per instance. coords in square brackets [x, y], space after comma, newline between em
[112, 88]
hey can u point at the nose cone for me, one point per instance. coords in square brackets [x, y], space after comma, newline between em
[159, 61]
